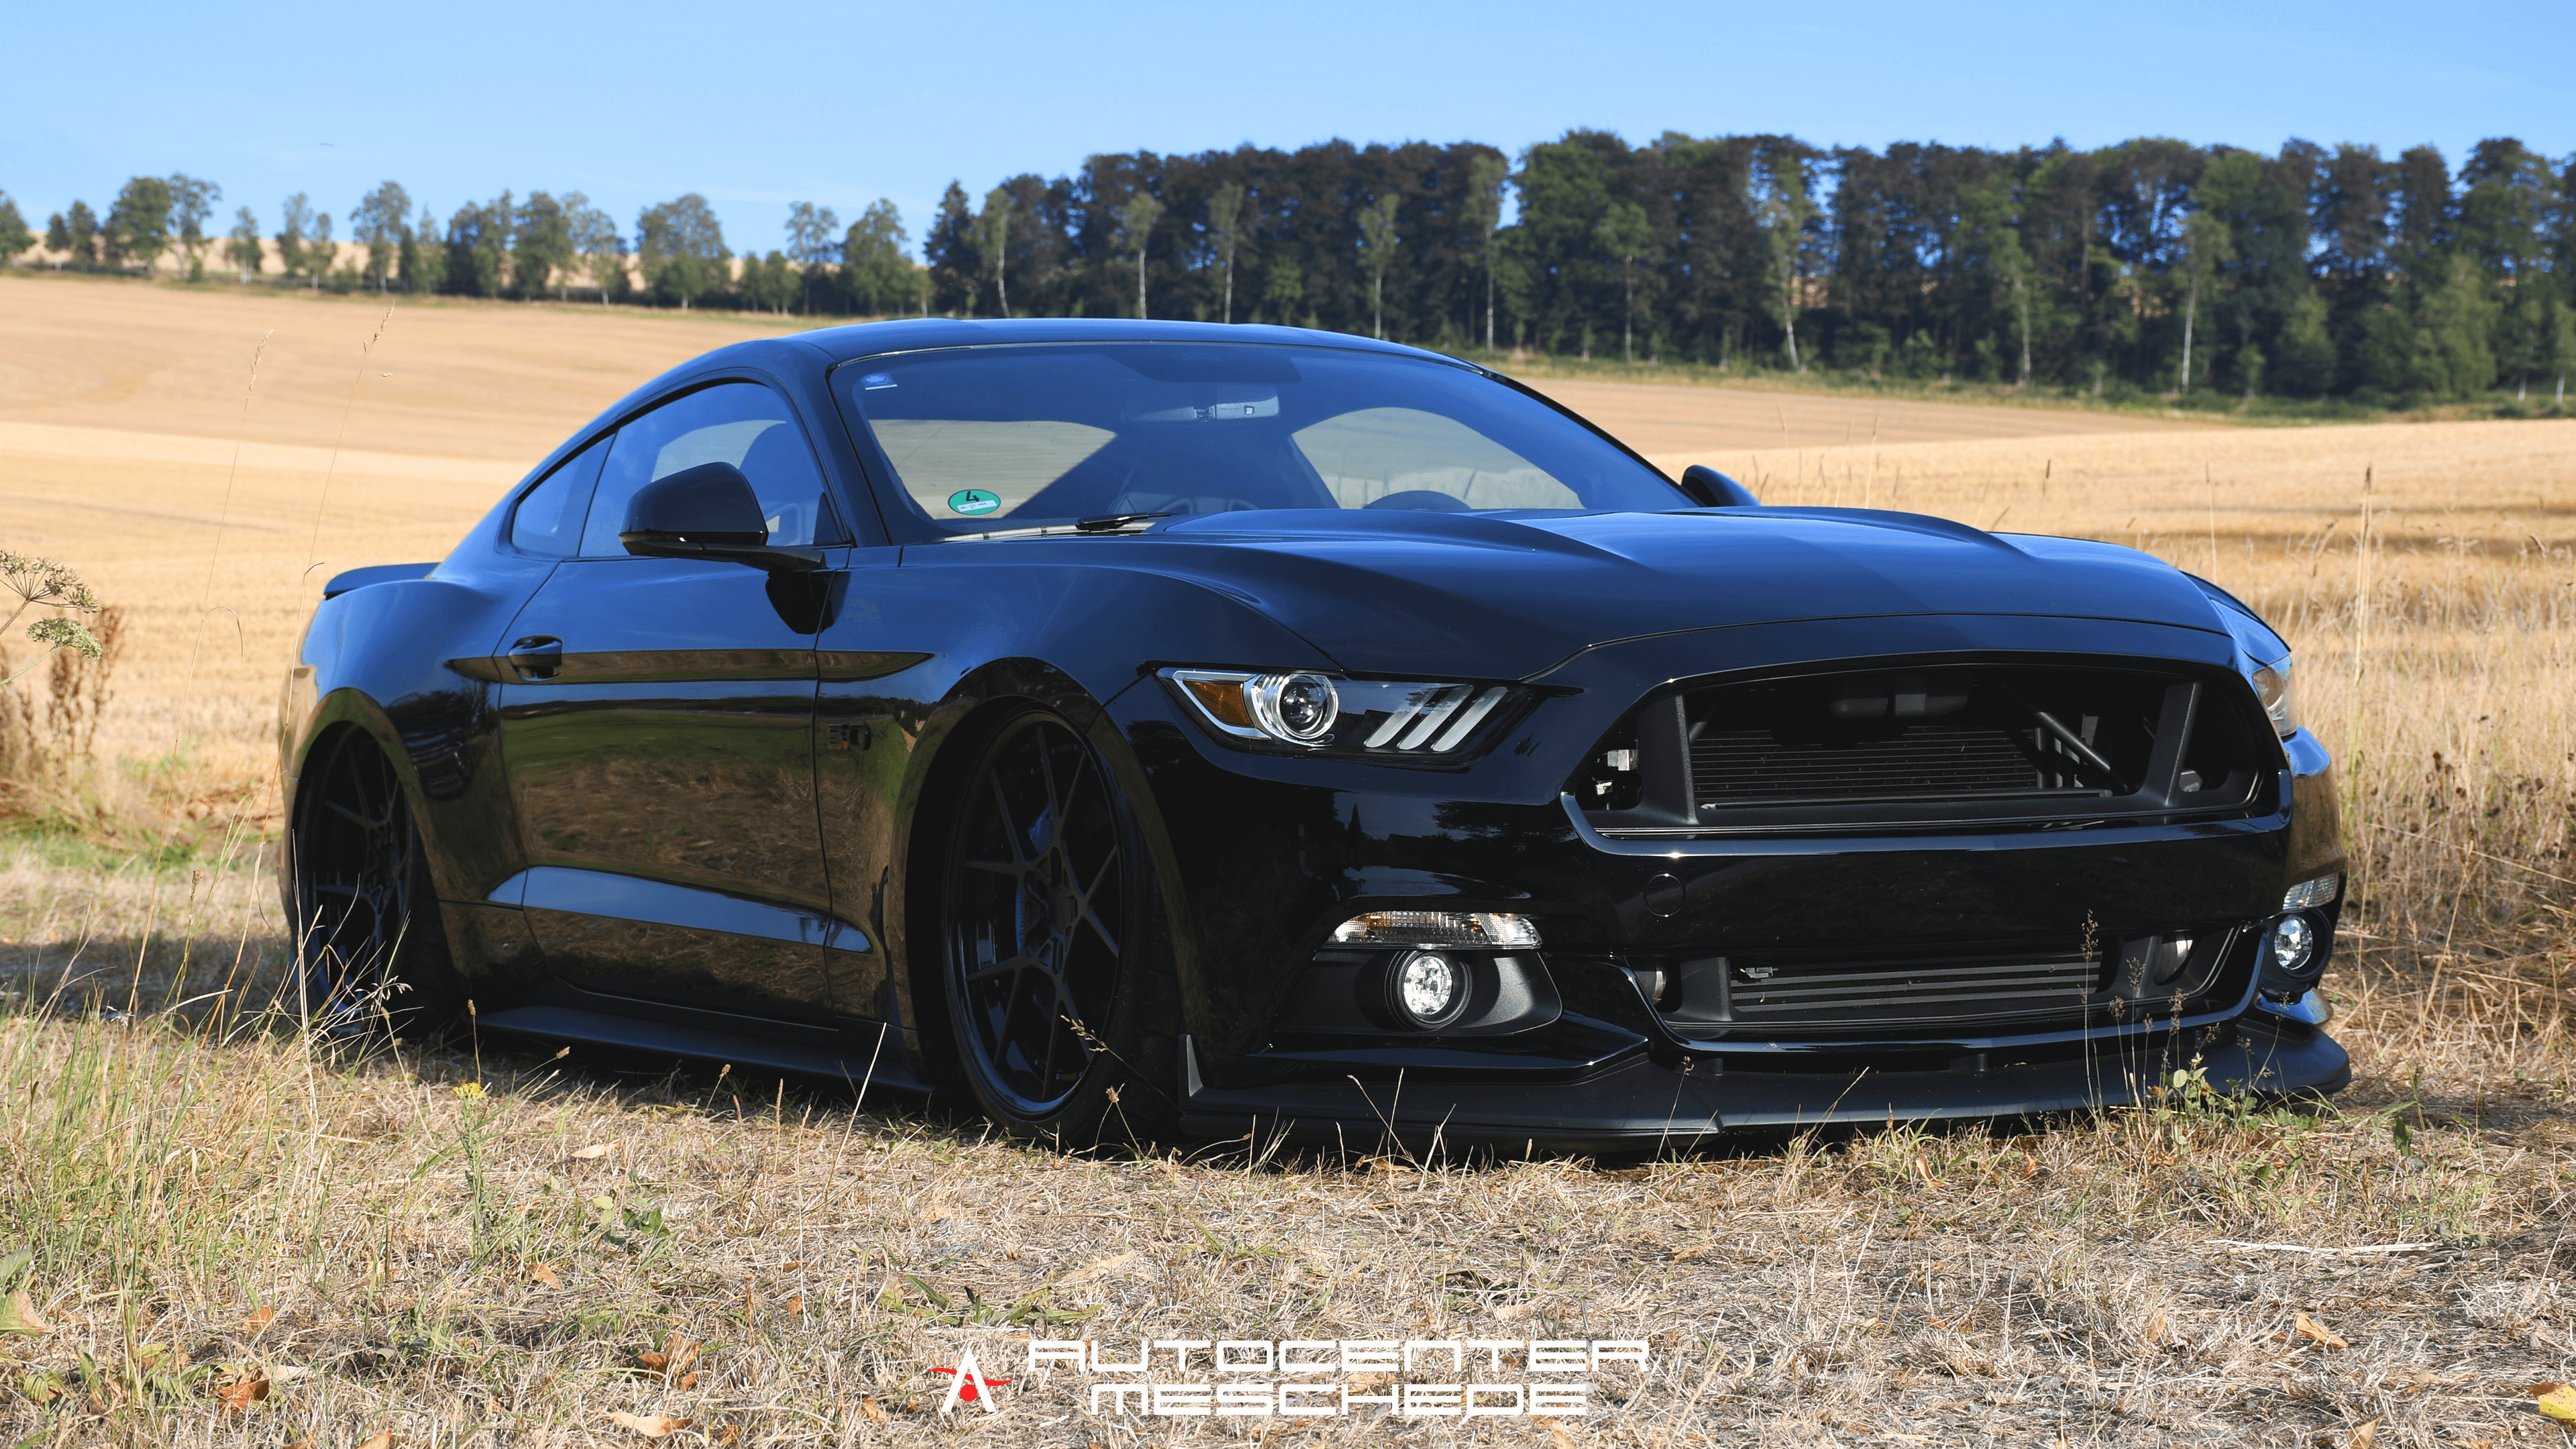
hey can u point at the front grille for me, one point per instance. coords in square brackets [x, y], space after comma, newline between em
[1886, 988]
[1913, 989]
[1941, 745]
[1926, 761]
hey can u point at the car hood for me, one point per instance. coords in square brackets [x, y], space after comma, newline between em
[1508, 596]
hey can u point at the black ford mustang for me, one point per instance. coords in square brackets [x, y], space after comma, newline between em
[1150, 726]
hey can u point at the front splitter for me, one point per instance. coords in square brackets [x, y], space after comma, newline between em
[1648, 1105]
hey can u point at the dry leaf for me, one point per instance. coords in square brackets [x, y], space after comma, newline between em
[1514, 1312]
[382, 1439]
[2557, 1401]
[594, 1152]
[688, 1382]
[875, 1415]
[544, 1273]
[1684, 1255]
[651, 1426]
[1557, 1438]
[241, 1395]
[18, 1315]
[2363, 1437]
[796, 1303]
[2310, 1328]
[260, 1319]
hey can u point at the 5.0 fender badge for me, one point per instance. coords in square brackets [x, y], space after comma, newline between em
[973, 500]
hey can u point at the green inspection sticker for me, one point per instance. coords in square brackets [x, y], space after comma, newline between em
[973, 500]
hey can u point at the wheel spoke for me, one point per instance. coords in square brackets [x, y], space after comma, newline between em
[995, 867]
[1010, 830]
[1022, 962]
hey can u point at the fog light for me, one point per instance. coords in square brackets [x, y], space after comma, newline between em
[1429, 990]
[1436, 928]
[2294, 943]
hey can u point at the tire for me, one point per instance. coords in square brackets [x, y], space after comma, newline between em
[1056, 957]
[372, 957]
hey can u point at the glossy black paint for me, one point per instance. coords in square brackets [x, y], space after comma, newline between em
[675, 803]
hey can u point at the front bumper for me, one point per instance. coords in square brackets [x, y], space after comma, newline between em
[1270, 853]
[1649, 1101]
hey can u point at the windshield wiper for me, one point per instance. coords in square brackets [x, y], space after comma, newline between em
[1106, 523]
[1111, 522]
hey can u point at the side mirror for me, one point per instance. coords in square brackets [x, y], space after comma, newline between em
[708, 511]
[1712, 489]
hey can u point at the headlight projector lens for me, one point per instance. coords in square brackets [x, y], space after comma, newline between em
[2294, 944]
[1429, 990]
[1299, 708]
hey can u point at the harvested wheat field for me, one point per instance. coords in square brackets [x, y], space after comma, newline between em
[245, 1235]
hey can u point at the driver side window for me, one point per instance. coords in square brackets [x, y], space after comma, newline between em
[742, 423]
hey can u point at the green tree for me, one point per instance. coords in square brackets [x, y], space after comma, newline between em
[993, 241]
[321, 254]
[880, 276]
[381, 222]
[80, 236]
[541, 250]
[1284, 291]
[2207, 245]
[424, 255]
[1625, 232]
[2453, 357]
[1135, 229]
[138, 223]
[295, 222]
[192, 202]
[1483, 215]
[241, 244]
[1786, 210]
[1225, 232]
[682, 248]
[2305, 365]
[597, 242]
[813, 243]
[1378, 242]
[1989, 240]
[14, 235]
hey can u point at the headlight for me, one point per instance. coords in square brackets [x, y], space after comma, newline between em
[2280, 700]
[1367, 717]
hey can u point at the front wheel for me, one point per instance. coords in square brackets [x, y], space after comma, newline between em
[1058, 970]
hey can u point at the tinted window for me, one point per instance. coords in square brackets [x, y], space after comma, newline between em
[1046, 432]
[548, 518]
[742, 423]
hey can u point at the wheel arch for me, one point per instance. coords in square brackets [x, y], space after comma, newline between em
[951, 736]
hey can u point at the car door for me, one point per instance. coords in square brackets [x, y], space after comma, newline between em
[657, 727]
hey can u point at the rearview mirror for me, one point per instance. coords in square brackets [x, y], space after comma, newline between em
[1711, 489]
[708, 511]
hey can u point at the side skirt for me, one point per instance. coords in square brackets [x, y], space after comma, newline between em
[880, 1060]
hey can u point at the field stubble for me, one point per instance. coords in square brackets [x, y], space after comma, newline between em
[481, 1246]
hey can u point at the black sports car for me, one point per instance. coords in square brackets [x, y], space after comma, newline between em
[1152, 726]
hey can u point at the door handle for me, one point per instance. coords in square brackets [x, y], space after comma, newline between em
[537, 657]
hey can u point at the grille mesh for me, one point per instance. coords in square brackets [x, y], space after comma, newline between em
[1927, 761]
[1913, 990]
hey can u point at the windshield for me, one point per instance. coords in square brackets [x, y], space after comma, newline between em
[1015, 436]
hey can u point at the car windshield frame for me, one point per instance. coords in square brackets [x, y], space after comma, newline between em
[1531, 417]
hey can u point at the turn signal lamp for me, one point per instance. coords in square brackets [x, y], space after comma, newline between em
[1436, 928]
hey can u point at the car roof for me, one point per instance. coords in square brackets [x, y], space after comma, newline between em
[867, 339]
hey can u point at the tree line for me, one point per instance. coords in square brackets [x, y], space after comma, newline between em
[2151, 266]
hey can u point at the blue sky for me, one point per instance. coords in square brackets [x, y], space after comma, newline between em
[755, 107]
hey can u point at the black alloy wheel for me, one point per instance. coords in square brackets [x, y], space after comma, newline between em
[371, 955]
[1059, 985]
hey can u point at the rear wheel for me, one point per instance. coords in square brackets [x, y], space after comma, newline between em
[1058, 972]
[371, 955]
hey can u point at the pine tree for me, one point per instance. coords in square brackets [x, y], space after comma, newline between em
[14, 235]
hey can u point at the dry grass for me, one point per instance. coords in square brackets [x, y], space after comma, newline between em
[367, 1237]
